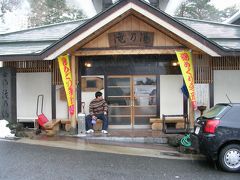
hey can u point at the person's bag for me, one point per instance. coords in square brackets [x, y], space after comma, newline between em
[94, 121]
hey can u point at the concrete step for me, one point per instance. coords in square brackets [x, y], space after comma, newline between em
[155, 140]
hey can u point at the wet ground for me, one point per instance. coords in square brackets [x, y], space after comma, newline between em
[117, 141]
[23, 160]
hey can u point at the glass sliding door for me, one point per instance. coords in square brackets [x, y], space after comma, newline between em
[144, 95]
[119, 100]
[132, 100]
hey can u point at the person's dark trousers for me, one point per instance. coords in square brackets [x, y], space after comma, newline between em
[88, 122]
[99, 116]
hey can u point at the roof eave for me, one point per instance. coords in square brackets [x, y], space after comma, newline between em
[22, 57]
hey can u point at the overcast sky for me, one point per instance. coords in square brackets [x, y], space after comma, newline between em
[18, 19]
[219, 4]
[222, 4]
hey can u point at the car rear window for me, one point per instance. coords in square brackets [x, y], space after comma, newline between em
[215, 111]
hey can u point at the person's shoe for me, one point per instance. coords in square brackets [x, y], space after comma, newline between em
[90, 131]
[104, 132]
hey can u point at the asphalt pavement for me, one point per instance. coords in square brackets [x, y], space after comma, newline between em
[20, 161]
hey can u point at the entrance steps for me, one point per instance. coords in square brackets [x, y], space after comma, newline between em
[154, 140]
[129, 136]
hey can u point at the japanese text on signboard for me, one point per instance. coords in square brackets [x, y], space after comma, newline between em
[131, 38]
[4, 95]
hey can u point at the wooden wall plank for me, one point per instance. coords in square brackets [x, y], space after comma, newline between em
[205, 65]
[132, 23]
[135, 24]
[125, 51]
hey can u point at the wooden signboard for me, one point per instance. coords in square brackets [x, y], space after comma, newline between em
[8, 107]
[131, 38]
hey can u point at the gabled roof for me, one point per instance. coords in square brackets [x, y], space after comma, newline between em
[225, 35]
[35, 40]
[49, 42]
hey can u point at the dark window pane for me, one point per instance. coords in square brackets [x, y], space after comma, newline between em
[119, 120]
[116, 101]
[118, 82]
[91, 84]
[145, 110]
[142, 120]
[145, 80]
[119, 91]
[144, 90]
[119, 111]
[145, 101]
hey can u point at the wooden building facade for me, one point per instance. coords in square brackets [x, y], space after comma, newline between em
[128, 53]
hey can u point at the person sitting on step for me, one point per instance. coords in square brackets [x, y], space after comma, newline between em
[97, 110]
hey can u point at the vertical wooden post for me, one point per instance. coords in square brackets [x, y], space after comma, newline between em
[79, 91]
[73, 71]
[191, 114]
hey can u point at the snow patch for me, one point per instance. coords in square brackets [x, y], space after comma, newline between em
[5, 132]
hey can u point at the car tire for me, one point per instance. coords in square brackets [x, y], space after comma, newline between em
[229, 158]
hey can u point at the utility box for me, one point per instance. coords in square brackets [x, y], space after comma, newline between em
[81, 123]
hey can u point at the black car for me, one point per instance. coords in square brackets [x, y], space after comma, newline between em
[218, 135]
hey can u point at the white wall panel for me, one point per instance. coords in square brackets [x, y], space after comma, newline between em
[171, 96]
[61, 106]
[226, 82]
[29, 86]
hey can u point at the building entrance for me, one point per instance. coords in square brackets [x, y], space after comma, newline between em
[132, 100]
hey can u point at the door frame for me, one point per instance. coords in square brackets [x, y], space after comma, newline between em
[132, 105]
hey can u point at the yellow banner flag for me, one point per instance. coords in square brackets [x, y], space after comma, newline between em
[64, 66]
[186, 65]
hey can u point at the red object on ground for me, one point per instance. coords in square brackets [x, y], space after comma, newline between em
[42, 119]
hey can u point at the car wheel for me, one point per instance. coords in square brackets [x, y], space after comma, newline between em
[229, 158]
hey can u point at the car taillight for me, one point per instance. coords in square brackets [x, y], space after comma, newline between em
[211, 126]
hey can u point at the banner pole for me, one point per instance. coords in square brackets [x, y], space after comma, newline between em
[73, 72]
[191, 115]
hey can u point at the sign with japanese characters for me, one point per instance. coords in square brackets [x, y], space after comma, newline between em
[8, 107]
[186, 65]
[131, 38]
[64, 66]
